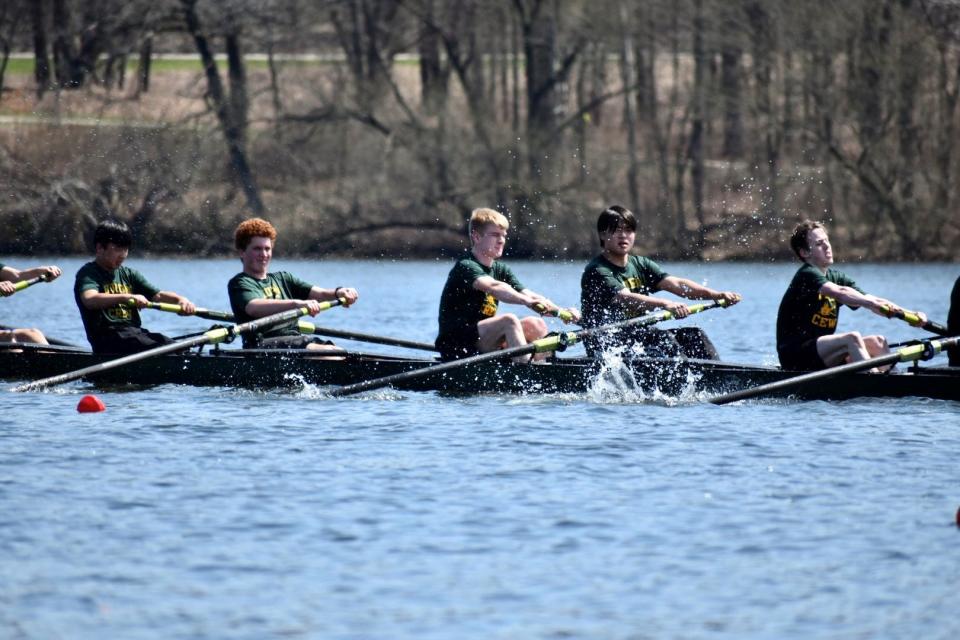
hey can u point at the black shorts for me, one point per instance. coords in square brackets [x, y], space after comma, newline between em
[127, 339]
[459, 344]
[801, 356]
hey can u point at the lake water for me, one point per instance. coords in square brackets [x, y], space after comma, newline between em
[221, 513]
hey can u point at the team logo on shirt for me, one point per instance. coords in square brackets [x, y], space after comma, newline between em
[826, 317]
[634, 284]
[272, 292]
[489, 308]
[122, 312]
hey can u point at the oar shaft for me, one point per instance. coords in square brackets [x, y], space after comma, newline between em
[914, 320]
[310, 328]
[909, 353]
[207, 314]
[210, 337]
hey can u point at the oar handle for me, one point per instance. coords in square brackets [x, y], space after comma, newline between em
[23, 284]
[913, 319]
[199, 312]
[563, 314]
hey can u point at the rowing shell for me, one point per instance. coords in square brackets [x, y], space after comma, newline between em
[265, 369]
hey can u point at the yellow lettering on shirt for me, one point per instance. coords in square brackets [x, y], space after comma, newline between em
[272, 292]
[633, 283]
[489, 308]
[826, 316]
[118, 313]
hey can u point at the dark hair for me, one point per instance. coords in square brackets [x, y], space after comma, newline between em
[612, 217]
[114, 231]
[798, 240]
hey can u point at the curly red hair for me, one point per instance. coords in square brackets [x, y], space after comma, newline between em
[253, 228]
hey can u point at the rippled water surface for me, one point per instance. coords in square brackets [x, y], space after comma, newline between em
[221, 513]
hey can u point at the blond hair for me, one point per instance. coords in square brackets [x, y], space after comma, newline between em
[480, 218]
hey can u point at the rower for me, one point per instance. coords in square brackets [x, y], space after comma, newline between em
[477, 283]
[255, 292]
[9, 276]
[109, 295]
[617, 285]
[808, 314]
[953, 322]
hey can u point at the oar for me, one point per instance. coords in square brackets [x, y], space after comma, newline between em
[207, 314]
[210, 337]
[543, 345]
[304, 327]
[914, 321]
[563, 314]
[310, 328]
[23, 284]
[923, 351]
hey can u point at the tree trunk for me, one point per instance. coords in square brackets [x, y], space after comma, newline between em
[434, 75]
[41, 65]
[698, 169]
[627, 72]
[143, 66]
[732, 96]
[232, 131]
[237, 74]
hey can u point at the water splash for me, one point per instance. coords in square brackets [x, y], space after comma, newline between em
[617, 381]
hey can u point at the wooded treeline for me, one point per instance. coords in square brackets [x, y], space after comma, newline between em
[720, 122]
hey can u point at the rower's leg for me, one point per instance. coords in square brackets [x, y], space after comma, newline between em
[496, 331]
[876, 345]
[840, 348]
[534, 328]
[34, 336]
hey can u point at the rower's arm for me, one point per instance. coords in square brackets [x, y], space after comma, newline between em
[853, 298]
[9, 274]
[186, 306]
[644, 303]
[349, 295]
[505, 293]
[49, 272]
[691, 290]
[96, 300]
[264, 306]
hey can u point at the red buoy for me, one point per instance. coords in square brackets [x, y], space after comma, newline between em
[91, 404]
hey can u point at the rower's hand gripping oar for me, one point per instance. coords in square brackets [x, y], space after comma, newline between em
[307, 328]
[23, 284]
[925, 350]
[206, 314]
[563, 314]
[544, 345]
[214, 336]
[914, 320]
